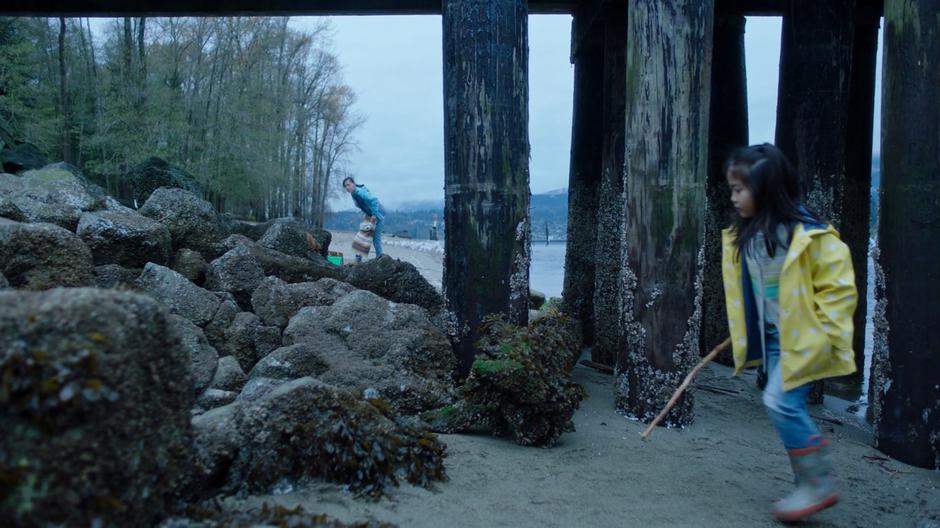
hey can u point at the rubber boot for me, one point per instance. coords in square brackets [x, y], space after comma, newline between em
[815, 484]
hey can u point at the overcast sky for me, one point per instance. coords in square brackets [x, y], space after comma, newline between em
[393, 64]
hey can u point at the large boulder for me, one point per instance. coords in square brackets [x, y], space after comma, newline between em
[192, 221]
[371, 343]
[216, 441]
[215, 329]
[53, 196]
[520, 384]
[128, 239]
[22, 157]
[248, 340]
[94, 409]
[237, 272]
[191, 265]
[151, 174]
[178, 294]
[291, 362]
[276, 301]
[229, 376]
[288, 268]
[203, 358]
[396, 281]
[305, 429]
[115, 276]
[293, 237]
[212, 398]
[43, 256]
[287, 237]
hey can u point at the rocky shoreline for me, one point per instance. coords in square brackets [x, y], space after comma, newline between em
[155, 359]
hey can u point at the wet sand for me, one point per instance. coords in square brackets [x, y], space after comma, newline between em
[724, 470]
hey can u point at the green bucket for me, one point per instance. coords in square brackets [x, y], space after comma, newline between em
[335, 259]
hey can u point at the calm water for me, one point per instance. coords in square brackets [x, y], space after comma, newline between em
[547, 270]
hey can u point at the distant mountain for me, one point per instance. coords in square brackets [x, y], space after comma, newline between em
[420, 205]
[415, 218]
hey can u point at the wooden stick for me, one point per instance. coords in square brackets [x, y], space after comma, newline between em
[685, 383]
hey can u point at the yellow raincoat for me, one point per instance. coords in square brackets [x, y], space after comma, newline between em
[817, 301]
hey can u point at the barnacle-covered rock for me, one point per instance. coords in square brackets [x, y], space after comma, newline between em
[181, 296]
[192, 221]
[305, 429]
[369, 342]
[396, 281]
[43, 256]
[125, 238]
[276, 301]
[95, 398]
[520, 384]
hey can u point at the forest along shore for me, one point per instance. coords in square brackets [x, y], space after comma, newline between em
[724, 470]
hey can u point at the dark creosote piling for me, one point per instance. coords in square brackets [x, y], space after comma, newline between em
[906, 387]
[584, 175]
[727, 130]
[486, 172]
[608, 292]
[667, 93]
[813, 104]
[856, 229]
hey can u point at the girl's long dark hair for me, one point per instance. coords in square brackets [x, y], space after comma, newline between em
[775, 189]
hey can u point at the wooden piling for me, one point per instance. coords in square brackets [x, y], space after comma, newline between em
[608, 284]
[486, 172]
[727, 130]
[813, 106]
[906, 372]
[856, 226]
[668, 81]
[584, 173]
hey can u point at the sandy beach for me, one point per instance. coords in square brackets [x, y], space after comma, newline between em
[724, 470]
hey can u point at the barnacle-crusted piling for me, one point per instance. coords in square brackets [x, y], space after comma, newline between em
[486, 169]
[587, 55]
[906, 393]
[668, 73]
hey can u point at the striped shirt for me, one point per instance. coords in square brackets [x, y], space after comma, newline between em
[765, 277]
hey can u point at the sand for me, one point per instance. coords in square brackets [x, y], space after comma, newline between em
[723, 470]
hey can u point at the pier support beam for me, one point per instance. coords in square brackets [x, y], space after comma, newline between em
[486, 169]
[667, 93]
[584, 174]
[608, 289]
[906, 374]
[856, 228]
[813, 107]
[727, 130]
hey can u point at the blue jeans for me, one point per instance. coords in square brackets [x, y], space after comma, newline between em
[377, 237]
[787, 409]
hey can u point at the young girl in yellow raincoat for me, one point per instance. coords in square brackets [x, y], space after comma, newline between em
[790, 294]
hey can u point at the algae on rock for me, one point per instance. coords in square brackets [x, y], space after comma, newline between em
[520, 383]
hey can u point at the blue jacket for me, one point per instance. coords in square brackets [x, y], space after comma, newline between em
[367, 203]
